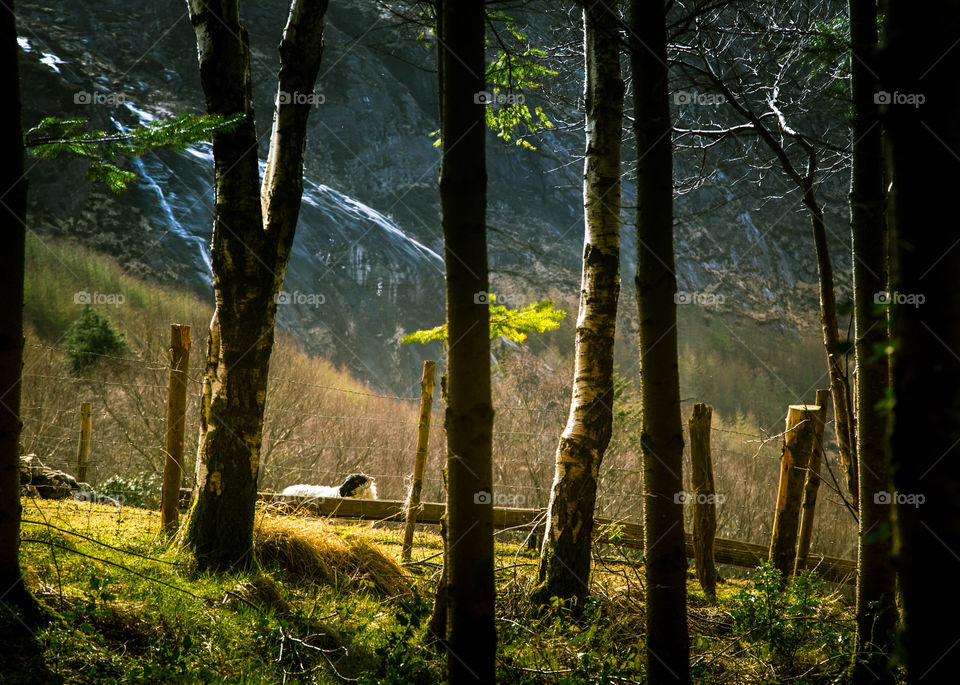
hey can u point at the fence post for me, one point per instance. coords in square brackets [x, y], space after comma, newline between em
[423, 438]
[83, 446]
[812, 485]
[704, 506]
[176, 423]
[798, 442]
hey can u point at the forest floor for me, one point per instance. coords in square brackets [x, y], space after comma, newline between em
[332, 604]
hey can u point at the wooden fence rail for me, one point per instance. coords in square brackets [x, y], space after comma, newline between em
[731, 552]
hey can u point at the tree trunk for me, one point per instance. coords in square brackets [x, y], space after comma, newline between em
[667, 645]
[920, 59]
[13, 190]
[252, 238]
[839, 385]
[876, 581]
[565, 556]
[471, 593]
[704, 505]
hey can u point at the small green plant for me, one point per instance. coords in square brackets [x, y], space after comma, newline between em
[143, 490]
[91, 337]
[786, 621]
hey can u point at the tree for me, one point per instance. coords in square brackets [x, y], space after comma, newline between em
[876, 577]
[662, 432]
[565, 554]
[763, 73]
[918, 67]
[253, 234]
[471, 592]
[13, 206]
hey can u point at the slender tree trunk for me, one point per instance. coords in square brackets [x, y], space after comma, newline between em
[921, 60]
[13, 214]
[252, 238]
[876, 577]
[565, 556]
[662, 431]
[839, 385]
[471, 593]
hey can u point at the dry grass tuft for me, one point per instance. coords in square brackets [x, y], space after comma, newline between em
[310, 550]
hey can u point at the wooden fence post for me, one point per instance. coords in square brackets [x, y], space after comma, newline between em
[798, 442]
[176, 423]
[83, 446]
[419, 466]
[704, 499]
[812, 485]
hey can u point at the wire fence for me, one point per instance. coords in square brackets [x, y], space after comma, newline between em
[318, 432]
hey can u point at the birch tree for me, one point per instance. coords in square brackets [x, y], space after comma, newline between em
[253, 233]
[565, 554]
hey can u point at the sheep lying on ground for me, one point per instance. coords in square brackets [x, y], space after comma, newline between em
[356, 485]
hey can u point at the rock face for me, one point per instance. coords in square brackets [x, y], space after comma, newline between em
[366, 266]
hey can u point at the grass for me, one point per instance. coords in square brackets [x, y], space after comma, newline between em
[332, 603]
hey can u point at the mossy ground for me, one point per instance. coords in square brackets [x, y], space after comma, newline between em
[332, 603]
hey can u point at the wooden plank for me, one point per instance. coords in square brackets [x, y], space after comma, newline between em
[730, 552]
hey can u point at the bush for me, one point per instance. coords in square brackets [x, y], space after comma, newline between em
[90, 337]
[143, 490]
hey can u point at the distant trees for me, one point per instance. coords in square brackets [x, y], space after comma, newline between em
[918, 67]
[470, 588]
[667, 647]
[253, 233]
[565, 556]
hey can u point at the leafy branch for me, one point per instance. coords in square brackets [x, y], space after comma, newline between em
[512, 324]
[54, 136]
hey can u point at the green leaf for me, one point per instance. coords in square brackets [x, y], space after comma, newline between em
[513, 324]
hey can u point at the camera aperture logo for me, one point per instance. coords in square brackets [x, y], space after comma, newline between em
[485, 97]
[684, 497]
[499, 499]
[701, 299]
[83, 97]
[689, 97]
[311, 99]
[884, 97]
[509, 300]
[86, 297]
[899, 498]
[298, 298]
[902, 299]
